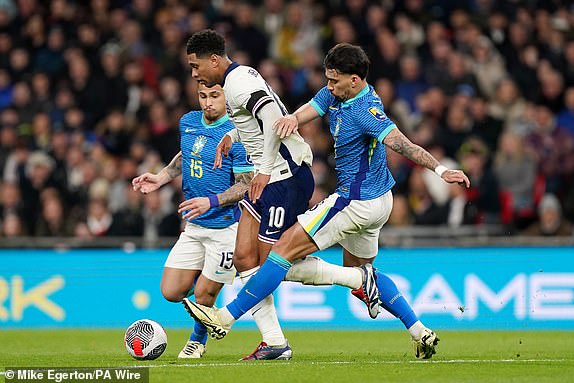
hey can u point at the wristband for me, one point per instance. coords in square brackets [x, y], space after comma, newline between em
[213, 200]
[439, 170]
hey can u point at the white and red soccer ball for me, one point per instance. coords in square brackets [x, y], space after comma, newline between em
[145, 339]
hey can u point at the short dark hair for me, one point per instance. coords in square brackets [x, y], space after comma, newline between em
[348, 59]
[206, 43]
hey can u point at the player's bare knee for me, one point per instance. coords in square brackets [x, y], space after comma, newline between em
[172, 295]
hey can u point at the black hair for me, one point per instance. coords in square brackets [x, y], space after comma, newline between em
[206, 43]
[348, 59]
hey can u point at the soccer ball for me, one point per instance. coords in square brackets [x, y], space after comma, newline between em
[145, 339]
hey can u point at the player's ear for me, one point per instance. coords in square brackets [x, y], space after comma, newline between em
[215, 59]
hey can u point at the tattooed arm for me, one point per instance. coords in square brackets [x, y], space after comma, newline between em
[173, 169]
[199, 205]
[236, 192]
[399, 143]
[149, 182]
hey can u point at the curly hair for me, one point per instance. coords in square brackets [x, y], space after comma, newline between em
[205, 43]
[348, 59]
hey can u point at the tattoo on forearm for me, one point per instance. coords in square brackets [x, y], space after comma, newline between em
[402, 145]
[236, 192]
[174, 168]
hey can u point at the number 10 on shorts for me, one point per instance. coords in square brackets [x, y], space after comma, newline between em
[276, 217]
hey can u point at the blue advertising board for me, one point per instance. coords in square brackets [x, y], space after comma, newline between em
[450, 288]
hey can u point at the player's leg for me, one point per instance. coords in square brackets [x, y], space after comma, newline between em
[362, 248]
[248, 253]
[206, 291]
[278, 207]
[217, 270]
[325, 225]
[177, 284]
[181, 272]
[183, 265]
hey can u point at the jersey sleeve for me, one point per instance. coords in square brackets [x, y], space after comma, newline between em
[321, 101]
[374, 121]
[240, 162]
[250, 92]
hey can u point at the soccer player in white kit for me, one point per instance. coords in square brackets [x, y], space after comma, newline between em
[279, 192]
[354, 215]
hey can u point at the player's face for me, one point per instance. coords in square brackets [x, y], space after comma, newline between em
[340, 85]
[204, 69]
[212, 102]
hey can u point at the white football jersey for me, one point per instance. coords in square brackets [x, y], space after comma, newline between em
[246, 92]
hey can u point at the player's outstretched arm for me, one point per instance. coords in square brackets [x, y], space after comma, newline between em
[200, 205]
[289, 124]
[399, 143]
[224, 147]
[149, 182]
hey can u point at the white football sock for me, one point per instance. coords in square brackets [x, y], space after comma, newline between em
[265, 315]
[416, 330]
[226, 318]
[315, 271]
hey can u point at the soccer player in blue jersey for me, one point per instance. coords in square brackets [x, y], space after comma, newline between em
[203, 254]
[354, 215]
[280, 190]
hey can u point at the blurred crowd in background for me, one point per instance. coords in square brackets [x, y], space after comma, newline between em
[91, 93]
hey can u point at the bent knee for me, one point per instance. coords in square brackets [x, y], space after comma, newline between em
[173, 295]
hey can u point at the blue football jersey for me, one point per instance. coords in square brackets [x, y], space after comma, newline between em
[359, 126]
[199, 179]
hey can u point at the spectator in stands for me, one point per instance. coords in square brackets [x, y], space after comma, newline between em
[12, 226]
[53, 220]
[565, 118]
[473, 157]
[516, 170]
[550, 221]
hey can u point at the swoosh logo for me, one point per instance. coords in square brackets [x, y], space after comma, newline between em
[250, 293]
[271, 232]
[187, 130]
[219, 272]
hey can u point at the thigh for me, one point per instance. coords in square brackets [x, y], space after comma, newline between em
[188, 253]
[339, 220]
[219, 247]
[246, 255]
[280, 204]
[364, 244]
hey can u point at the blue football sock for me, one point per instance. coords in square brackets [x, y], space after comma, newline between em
[260, 285]
[199, 333]
[393, 301]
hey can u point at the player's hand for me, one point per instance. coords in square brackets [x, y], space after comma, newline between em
[147, 182]
[456, 176]
[257, 185]
[286, 125]
[195, 206]
[222, 149]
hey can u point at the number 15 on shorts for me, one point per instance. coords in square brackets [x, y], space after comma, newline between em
[226, 260]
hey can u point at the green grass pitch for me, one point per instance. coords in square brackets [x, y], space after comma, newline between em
[319, 356]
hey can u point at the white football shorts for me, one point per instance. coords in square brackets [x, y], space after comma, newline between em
[353, 224]
[208, 250]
